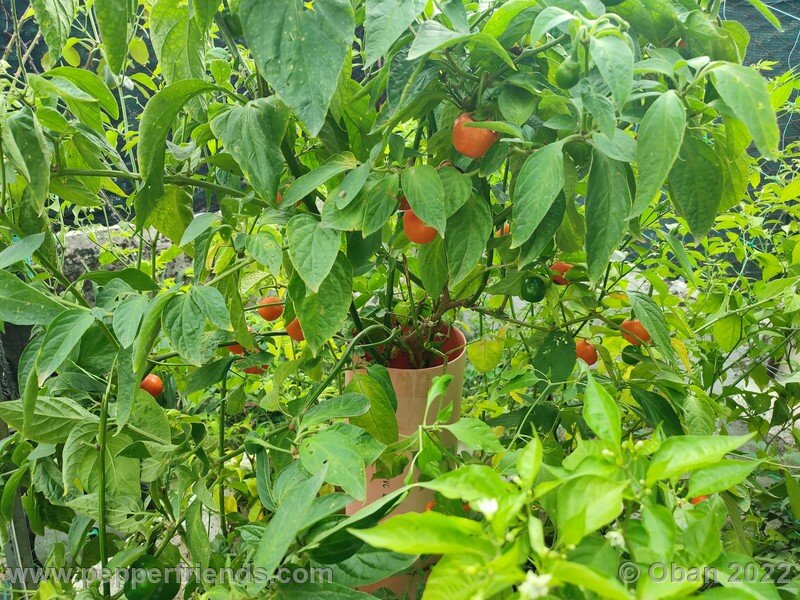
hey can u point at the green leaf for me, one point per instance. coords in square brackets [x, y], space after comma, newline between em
[745, 92]
[300, 50]
[680, 454]
[504, 14]
[681, 255]
[381, 204]
[183, 322]
[475, 435]
[547, 19]
[660, 139]
[323, 314]
[529, 461]
[468, 230]
[21, 250]
[658, 411]
[172, 213]
[318, 590]
[544, 233]
[555, 360]
[470, 483]
[695, 184]
[148, 333]
[285, 524]
[423, 188]
[539, 183]
[728, 332]
[201, 223]
[614, 60]
[305, 185]
[112, 23]
[344, 462]
[654, 321]
[55, 19]
[368, 565]
[432, 263]
[340, 407]
[434, 533]
[766, 13]
[792, 493]
[62, 336]
[53, 418]
[203, 12]
[177, 41]
[72, 191]
[147, 416]
[387, 20]
[92, 84]
[457, 189]
[253, 134]
[608, 202]
[601, 413]
[265, 247]
[156, 121]
[585, 504]
[135, 278]
[351, 185]
[196, 537]
[588, 578]
[432, 35]
[313, 249]
[212, 303]
[485, 354]
[24, 145]
[127, 317]
[380, 421]
[719, 477]
[602, 111]
[9, 493]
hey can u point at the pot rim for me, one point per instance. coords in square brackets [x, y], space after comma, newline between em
[443, 368]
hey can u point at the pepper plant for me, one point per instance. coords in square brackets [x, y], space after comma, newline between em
[301, 187]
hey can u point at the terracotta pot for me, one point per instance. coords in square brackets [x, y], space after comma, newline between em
[411, 387]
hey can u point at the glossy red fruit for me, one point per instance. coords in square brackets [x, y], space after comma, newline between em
[404, 205]
[586, 352]
[559, 269]
[236, 349]
[472, 141]
[270, 308]
[430, 505]
[255, 370]
[505, 230]
[153, 385]
[634, 332]
[295, 331]
[698, 499]
[416, 230]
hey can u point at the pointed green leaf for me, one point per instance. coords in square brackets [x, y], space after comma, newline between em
[253, 134]
[539, 183]
[313, 249]
[62, 335]
[660, 138]
[608, 202]
[300, 50]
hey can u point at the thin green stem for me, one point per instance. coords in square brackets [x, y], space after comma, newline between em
[101, 493]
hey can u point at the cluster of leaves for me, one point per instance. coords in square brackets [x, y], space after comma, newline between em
[303, 140]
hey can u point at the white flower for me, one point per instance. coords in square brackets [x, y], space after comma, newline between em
[488, 506]
[615, 539]
[535, 585]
